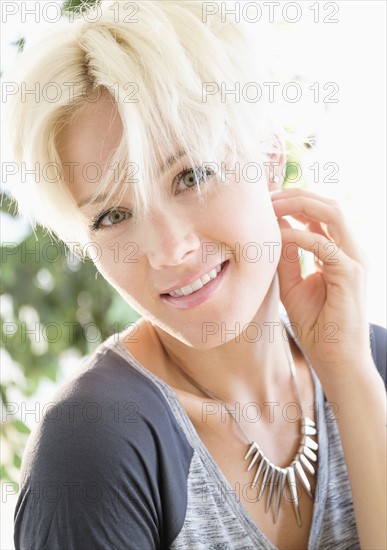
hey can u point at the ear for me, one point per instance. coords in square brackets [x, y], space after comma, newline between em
[275, 164]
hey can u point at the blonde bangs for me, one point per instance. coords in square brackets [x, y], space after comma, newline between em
[155, 71]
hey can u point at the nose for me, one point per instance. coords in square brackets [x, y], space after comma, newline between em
[170, 239]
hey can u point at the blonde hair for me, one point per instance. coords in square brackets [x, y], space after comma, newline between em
[155, 69]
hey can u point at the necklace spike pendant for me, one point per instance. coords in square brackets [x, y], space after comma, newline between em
[274, 478]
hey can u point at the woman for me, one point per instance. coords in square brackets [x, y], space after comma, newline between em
[216, 421]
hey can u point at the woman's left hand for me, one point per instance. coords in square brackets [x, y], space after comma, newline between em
[328, 308]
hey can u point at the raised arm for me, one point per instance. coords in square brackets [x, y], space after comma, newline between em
[330, 308]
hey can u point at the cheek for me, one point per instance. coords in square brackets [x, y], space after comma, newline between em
[265, 244]
[120, 267]
[263, 224]
[246, 219]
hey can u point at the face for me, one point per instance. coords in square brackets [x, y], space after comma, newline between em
[198, 271]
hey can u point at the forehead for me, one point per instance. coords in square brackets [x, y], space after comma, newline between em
[86, 144]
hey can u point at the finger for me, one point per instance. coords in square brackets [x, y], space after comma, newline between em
[336, 264]
[319, 211]
[289, 267]
[299, 192]
[313, 226]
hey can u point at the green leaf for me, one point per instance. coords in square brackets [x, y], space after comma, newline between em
[4, 472]
[16, 461]
[21, 427]
[20, 43]
[78, 5]
[3, 394]
[7, 204]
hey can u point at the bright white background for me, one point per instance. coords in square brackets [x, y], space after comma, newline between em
[350, 133]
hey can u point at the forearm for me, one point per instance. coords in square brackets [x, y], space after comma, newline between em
[361, 421]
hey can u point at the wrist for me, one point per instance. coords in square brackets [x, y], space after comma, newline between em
[348, 370]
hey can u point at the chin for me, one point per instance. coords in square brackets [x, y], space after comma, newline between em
[217, 330]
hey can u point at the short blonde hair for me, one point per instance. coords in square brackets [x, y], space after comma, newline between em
[155, 68]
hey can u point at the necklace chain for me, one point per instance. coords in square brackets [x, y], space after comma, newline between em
[273, 477]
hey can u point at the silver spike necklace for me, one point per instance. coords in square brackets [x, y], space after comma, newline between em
[273, 479]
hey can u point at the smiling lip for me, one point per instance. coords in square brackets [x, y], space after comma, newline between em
[199, 296]
[188, 280]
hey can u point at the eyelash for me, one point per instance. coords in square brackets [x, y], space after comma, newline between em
[187, 170]
[96, 222]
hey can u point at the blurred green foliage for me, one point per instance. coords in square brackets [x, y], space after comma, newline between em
[20, 43]
[78, 5]
[52, 303]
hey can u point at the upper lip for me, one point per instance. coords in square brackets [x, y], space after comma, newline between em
[188, 279]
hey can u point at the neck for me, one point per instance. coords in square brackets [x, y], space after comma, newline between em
[246, 367]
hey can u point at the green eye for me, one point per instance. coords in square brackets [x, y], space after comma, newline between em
[190, 177]
[109, 218]
[115, 216]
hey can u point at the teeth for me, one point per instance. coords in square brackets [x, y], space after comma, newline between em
[196, 285]
[186, 290]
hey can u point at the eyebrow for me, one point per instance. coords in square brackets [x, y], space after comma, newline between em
[171, 160]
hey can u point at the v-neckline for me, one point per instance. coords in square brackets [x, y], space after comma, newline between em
[257, 536]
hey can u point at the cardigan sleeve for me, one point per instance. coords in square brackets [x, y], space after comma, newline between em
[106, 468]
[378, 340]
